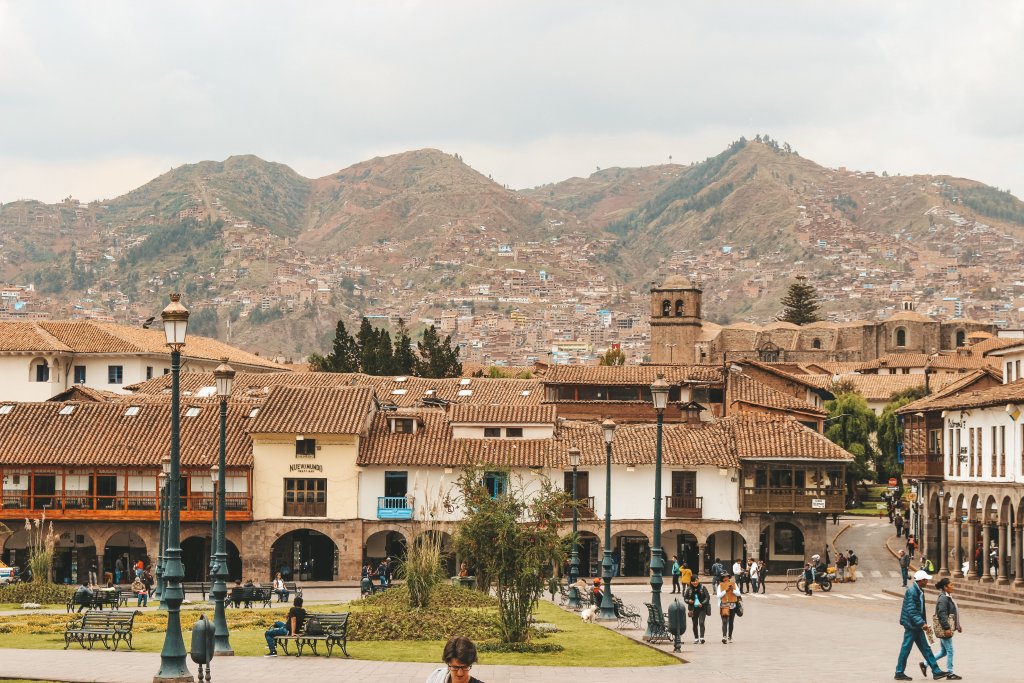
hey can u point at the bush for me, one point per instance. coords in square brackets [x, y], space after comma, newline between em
[442, 596]
[453, 611]
[532, 648]
[36, 591]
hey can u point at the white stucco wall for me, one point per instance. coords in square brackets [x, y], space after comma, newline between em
[274, 460]
[985, 419]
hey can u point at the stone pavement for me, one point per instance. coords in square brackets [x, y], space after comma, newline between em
[851, 633]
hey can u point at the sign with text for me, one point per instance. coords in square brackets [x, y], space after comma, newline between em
[305, 467]
[818, 503]
[892, 482]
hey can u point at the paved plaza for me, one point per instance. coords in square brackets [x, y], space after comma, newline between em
[851, 633]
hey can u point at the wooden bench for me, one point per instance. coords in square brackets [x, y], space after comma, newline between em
[335, 632]
[246, 595]
[201, 587]
[656, 625]
[95, 600]
[126, 594]
[97, 625]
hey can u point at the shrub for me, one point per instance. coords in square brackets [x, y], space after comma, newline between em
[442, 596]
[36, 591]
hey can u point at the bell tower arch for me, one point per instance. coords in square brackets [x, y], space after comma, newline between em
[675, 320]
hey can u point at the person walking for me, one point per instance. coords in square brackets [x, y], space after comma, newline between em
[459, 657]
[911, 546]
[698, 606]
[728, 594]
[685, 574]
[904, 567]
[899, 524]
[118, 569]
[762, 575]
[851, 565]
[94, 576]
[915, 626]
[292, 625]
[676, 573]
[948, 616]
[841, 567]
[717, 570]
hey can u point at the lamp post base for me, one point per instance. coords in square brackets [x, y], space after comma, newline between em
[176, 679]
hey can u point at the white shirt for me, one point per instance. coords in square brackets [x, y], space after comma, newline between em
[753, 571]
[737, 569]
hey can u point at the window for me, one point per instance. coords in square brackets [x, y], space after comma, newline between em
[514, 432]
[305, 447]
[492, 432]
[934, 441]
[6, 409]
[131, 411]
[994, 464]
[679, 308]
[465, 392]
[961, 338]
[396, 484]
[404, 425]
[978, 437]
[1008, 375]
[1016, 375]
[399, 392]
[970, 452]
[192, 411]
[666, 307]
[957, 451]
[496, 483]
[1002, 450]
[42, 372]
[901, 337]
[816, 344]
[66, 410]
[79, 374]
[305, 497]
[953, 456]
[149, 372]
[115, 374]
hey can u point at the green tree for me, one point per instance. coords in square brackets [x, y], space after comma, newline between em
[511, 539]
[800, 305]
[890, 433]
[404, 357]
[375, 350]
[438, 358]
[613, 356]
[850, 424]
[344, 355]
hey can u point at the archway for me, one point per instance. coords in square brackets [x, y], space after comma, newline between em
[683, 545]
[15, 550]
[447, 551]
[782, 546]
[727, 546]
[195, 555]
[129, 548]
[384, 544]
[632, 549]
[74, 554]
[304, 555]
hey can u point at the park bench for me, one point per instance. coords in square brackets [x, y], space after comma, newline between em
[247, 595]
[627, 616]
[126, 594]
[293, 589]
[95, 600]
[97, 625]
[335, 632]
[656, 624]
[201, 587]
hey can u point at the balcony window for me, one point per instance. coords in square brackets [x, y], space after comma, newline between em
[115, 374]
[79, 374]
[934, 441]
[305, 447]
[305, 497]
[396, 484]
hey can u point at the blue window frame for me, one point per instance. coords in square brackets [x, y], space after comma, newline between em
[496, 483]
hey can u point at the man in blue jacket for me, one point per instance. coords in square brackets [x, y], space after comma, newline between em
[915, 625]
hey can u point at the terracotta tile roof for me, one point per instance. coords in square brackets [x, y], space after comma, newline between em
[321, 410]
[959, 384]
[80, 392]
[407, 393]
[87, 336]
[1002, 394]
[773, 369]
[961, 361]
[95, 434]
[880, 387]
[896, 360]
[766, 437]
[502, 414]
[631, 374]
[994, 344]
[744, 389]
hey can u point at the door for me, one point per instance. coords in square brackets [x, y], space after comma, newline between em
[684, 490]
[582, 484]
[44, 486]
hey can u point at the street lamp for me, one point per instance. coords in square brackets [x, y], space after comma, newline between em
[214, 478]
[224, 375]
[574, 562]
[607, 612]
[173, 668]
[165, 470]
[659, 394]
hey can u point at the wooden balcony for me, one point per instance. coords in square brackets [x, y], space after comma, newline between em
[132, 506]
[584, 511]
[792, 499]
[684, 507]
[923, 465]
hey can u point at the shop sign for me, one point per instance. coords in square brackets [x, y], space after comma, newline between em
[305, 467]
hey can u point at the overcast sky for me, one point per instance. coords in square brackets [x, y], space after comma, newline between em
[97, 98]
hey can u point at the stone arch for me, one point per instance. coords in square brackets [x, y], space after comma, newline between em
[195, 556]
[631, 548]
[683, 543]
[782, 544]
[680, 308]
[304, 553]
[122, 544]
[666, 307]
[816, 343]
[972, 509]
[384, 543]
[39, 369]
[959, 338]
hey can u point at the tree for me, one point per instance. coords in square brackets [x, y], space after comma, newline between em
[511, 538]
[890, 433]
[376, 356]
[344, 355]
[437, 358]
[404, 357]
[613, 356]
[800, 305]
[850, 424]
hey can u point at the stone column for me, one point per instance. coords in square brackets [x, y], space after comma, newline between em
[701, 569]
[1004, 533]
[957, 549]
[943, 565]
[986, 566]
[1018, 557]
[972, 533]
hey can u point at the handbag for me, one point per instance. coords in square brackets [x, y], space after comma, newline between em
[739, 607]
[937, 627]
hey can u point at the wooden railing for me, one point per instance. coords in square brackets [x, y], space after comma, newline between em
[73, 504]
[792, 499]
[686, 507]
[584, 511]
[923, 465]
[305, 509]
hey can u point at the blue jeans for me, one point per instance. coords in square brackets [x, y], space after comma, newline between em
[282, 596]
[947, 652]
[903, 571]
[143, 600]
[753, 584]
[916, 636]
[278, 629]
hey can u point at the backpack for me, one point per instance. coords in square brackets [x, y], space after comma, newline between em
[717, 569]
[313, 627]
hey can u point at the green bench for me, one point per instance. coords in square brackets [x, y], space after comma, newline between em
[335, 633]
[97, 625]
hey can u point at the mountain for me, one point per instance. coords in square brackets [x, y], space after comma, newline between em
[409, 231]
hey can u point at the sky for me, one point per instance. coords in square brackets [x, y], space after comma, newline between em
[97, 98]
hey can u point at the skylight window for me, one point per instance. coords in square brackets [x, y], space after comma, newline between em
[401, 379]
[132, 411]
[399, 392]
[525, 392]
[6, 409]
[192, 412]
[429, 392]
[254, 412]
[465, 392]
[66, 410]
[465, 382]
[206, 392]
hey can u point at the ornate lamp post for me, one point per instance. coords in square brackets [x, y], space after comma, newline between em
[214, 478]
[173, 668]
[224, 376]
[574, 562]
[165, 469]
[607, 612]
[659, 394]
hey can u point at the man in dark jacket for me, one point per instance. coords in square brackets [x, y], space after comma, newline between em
[904, 567]
[915, 625]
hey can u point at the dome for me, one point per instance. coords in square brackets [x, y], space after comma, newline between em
[781, 325]
[676, 282]
[909, 316]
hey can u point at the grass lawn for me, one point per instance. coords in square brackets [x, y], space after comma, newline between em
[585, 644]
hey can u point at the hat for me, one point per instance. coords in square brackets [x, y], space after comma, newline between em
[921, 574]
[597, 581]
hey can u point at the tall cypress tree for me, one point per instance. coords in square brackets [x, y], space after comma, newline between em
[344, 355]
[800, 305]
[438, 358]
[366, 338]
[404, 357]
